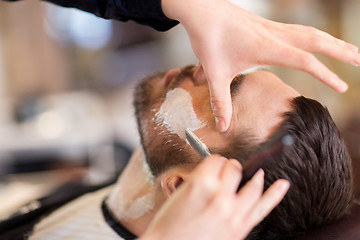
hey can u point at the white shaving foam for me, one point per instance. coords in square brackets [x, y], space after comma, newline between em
[145, 203]
[177, 113]
[138, 207]
[123, 207]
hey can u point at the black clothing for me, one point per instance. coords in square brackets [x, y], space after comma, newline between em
[115, 224]
[145, 12]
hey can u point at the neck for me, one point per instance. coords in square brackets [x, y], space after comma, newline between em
[136, 196]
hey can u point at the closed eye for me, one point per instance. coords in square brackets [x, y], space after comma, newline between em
[235, 84]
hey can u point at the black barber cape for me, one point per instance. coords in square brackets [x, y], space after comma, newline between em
[146, 12]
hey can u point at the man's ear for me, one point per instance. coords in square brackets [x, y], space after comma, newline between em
[170, 182]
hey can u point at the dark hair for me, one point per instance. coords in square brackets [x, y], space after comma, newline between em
[318, 167]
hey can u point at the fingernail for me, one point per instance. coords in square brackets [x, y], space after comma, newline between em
[259, 176]
[338, 84]
[284, 185]
[343, 87]
[220, 124]
[236, 163]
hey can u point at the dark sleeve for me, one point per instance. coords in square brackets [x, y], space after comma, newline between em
[146, 12]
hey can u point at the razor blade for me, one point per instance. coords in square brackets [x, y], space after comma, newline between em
[197, 144]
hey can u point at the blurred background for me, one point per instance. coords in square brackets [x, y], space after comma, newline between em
[66, 82]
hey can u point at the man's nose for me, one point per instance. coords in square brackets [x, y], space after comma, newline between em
[199, 75]
[169, 76]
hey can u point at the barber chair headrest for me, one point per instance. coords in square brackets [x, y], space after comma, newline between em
[347, 228]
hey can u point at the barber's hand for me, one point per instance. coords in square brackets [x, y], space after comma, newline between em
[227, 40]
[207, 206]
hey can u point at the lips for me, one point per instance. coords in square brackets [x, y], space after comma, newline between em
[169, 76]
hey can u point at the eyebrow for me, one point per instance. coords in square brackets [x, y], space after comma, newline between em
[234, 86]
[238, 79]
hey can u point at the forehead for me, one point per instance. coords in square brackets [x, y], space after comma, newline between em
[260, 102]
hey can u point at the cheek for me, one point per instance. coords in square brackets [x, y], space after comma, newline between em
[177, 113]
[212, 138]
[202, 106]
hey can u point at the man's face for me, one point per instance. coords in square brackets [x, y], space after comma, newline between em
[168, 103]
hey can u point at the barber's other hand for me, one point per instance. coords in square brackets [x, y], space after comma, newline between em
[227, 40]
[207, 206]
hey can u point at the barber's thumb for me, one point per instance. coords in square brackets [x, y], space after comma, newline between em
[221, 105]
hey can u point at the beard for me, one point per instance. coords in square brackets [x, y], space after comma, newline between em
[162, 148]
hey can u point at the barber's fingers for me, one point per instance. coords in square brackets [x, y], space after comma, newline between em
[256, 205]
[217, 173]
[230, 176]
[211, 165]
[315, 41]
[220, 99]
[312, 31]
[271, 198]
[333, 49]
[301, 60]
[206, 174]
[251, 192]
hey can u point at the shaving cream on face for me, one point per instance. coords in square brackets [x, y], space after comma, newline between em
[177, 113]
[138, 207]
[136, 196]
[144, 203]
